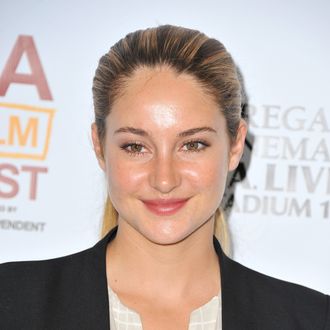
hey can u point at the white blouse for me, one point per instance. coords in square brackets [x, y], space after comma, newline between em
[206, 317]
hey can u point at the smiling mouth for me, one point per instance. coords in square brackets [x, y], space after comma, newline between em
[165, 207]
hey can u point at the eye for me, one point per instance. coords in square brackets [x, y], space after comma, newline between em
[134, 148]
[196, 146]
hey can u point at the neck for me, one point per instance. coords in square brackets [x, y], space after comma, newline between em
[134, 263]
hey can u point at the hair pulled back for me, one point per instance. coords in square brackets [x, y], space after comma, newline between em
[185, 51]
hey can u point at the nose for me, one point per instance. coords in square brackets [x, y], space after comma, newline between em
[165, 174]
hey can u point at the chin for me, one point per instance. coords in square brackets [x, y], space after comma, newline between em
[166, 240]
[168, 235]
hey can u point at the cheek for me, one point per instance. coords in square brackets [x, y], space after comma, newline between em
[122, 177]
[209, 174]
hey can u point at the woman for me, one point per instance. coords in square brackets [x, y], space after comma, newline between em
[168, 129]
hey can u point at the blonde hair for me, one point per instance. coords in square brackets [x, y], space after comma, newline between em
[185, 51]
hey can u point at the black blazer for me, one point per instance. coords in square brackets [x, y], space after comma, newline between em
[71, 293]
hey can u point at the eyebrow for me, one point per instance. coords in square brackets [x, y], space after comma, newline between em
[132, 130]
[193, 131]
[189, 132]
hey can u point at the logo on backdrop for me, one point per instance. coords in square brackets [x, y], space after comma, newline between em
[25, 132]
[291, 155]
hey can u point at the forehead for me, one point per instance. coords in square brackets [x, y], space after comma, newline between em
[165, 98]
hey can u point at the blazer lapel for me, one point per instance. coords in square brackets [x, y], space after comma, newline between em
[97, 279]
[236, 308]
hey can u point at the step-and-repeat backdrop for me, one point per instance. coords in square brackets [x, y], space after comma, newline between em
[51, 189]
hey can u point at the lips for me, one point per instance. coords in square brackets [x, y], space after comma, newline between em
[165, 207]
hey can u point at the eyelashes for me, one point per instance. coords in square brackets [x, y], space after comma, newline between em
[133, 148]
[195, 146]
[138, 149]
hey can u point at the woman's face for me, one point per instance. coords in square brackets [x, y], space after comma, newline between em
[166, 155]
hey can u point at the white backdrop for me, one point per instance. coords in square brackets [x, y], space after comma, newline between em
[51, 190]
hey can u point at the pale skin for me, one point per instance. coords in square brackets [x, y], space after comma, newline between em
[165, 266]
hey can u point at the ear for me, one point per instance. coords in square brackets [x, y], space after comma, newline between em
[237, 146]
[97, 147]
